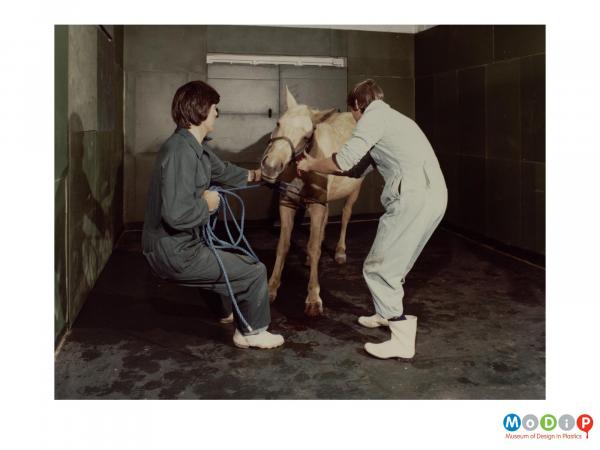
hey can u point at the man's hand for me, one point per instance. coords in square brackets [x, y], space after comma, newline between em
[212, 198]
[305, 164]
[254, 175]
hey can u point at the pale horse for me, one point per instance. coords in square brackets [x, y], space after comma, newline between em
[320, 134]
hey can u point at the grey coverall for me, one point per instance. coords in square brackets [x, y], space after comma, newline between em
[172, 237]
[414, 198]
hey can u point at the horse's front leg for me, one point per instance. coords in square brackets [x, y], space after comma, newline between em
[340, 249]
[314, 304]
[323, 226]
[286, 217]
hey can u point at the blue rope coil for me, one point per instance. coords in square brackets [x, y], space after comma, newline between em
[238, 243]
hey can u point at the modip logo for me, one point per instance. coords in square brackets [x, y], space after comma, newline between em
[585, 423]
[550, 426]
[512, 422]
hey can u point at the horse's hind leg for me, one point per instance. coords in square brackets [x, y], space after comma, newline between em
[340, 249]
[286, 217]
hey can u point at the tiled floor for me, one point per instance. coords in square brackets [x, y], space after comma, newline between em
[481, 331]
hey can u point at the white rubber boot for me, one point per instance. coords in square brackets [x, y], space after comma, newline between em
[373, 321]
[228, 319]
[402, 343]
[264, 339]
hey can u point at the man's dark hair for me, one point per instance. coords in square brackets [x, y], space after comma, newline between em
[363, 94]
[192, 102]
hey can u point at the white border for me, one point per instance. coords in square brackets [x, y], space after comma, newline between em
[32, 419]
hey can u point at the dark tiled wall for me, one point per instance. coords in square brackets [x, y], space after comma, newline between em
[88, 161]
[272, 40]
[386, 57]
[158, 59]
[480, 97]
[61, 157]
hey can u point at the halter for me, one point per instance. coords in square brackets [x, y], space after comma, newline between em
[296, 153]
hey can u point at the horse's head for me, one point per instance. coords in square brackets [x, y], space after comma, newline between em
[290, 137]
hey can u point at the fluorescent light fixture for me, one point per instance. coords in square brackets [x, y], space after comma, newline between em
[255, 60]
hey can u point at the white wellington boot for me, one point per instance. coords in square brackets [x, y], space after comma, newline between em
[402, 343]
[264, 339]
[373, 321]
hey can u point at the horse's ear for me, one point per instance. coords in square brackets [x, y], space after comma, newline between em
[321, 116]
[290, 100]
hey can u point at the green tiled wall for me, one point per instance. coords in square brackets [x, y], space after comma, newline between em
[268, 40]
[61, 156]
[88, 161]
[480, 95]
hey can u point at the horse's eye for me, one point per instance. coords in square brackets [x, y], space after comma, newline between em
[277, 125]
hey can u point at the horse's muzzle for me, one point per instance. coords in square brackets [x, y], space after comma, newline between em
[270, 173]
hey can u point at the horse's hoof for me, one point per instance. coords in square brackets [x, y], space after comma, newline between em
[272, 296]
[340, 258]
[314, 309]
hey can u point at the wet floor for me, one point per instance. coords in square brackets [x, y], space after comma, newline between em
[481, 330]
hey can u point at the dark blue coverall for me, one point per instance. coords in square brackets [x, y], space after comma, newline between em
[172, 237]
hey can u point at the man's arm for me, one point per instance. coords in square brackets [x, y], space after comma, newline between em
[329, 166]
[368, 131]
[325, 166]
[362, 168]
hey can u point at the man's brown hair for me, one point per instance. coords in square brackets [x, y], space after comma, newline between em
[363, 94]
[192, 102]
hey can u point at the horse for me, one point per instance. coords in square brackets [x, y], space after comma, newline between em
[320, 134]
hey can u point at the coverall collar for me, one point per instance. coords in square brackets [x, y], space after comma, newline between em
[189, 137]
[377, 104]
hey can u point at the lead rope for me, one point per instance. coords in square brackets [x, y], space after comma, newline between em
[215, 243]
